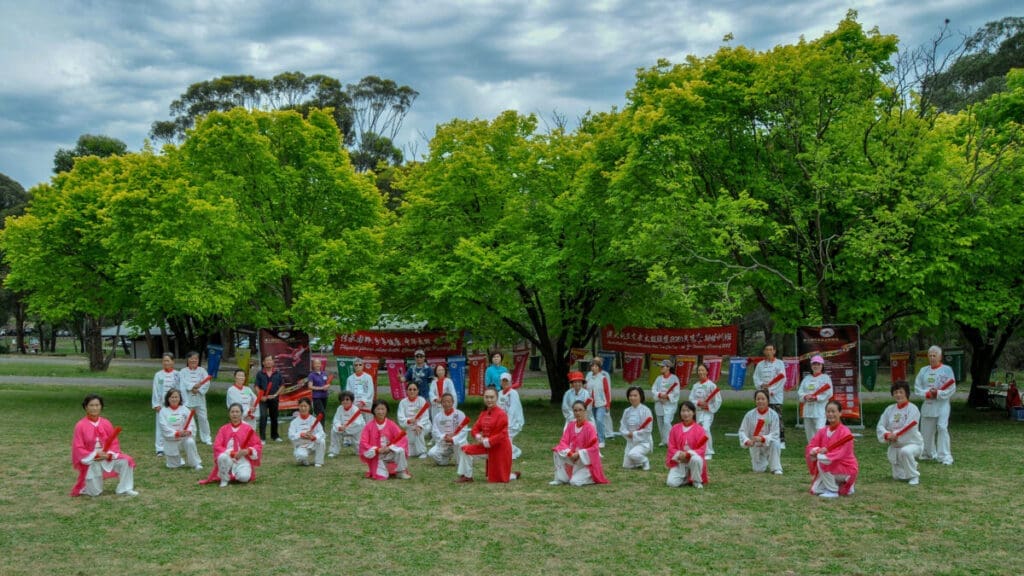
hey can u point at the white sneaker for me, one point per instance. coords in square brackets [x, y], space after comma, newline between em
[829, 495]
[198, 467]
[555, 483]
[223, 483]
[422, 456]
[709, 456]
[403, 475]
[332, 455]
[600, 445]
[777, 472]
[318, 465]
[129, 493]
[263, 442]
[698, 485]
[852, 490]
[646, 466]
[278, 439]
[782, 445]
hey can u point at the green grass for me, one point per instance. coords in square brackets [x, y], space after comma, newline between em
[962, 519]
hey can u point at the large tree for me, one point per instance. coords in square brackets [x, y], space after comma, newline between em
[503, 232]
[87, 145]
[13, 199]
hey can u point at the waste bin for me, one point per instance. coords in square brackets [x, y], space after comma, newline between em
[213, 354]
[737, 372]
[869, 372]
[955, 359]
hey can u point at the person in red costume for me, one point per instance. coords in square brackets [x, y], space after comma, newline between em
[578, 454]
[687, 446]
[96, 453]
[492, 443]
[383, 446]
[830, 457]
[236, 451]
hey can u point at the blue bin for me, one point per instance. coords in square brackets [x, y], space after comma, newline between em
[213, 355]
[737, 372]
[457, 372]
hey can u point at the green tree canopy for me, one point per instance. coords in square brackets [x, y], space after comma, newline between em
[87, 145]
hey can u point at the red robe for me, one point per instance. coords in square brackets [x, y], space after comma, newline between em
[84, 443]
[244, 437]
[371, 439]
[695, 439]
[493, 425]
[583, 440]
[842, 457]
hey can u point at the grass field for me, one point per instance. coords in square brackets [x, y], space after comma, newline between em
[964, 519]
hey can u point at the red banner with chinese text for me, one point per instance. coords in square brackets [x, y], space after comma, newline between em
[519, 359]
[477, 368]
[395, 344]
[632, 366]
[672, 341]
[396, 367]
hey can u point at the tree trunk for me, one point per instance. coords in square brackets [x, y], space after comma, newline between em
[557, 364]
[986, 348]
[94, 343]
[20, 315]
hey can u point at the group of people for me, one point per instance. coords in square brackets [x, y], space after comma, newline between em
[385, 446]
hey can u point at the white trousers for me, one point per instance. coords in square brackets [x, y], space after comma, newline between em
[202, 421]
[811, 427]
[417, 442]
[516, 452]
[686, 473]
[173, 448]
[904, 461]
[936, 438]
[664, 421]
[827, 481]
[227, 467]
[705, 419]
[338, 438]
[464, 462]
[443, 453]
[396, 455]
[304, 447]
[635, 455]
[159, 444]
[94, 477]
[580, 471]
[766, 457]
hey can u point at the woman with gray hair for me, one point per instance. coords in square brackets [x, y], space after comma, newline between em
[935, 383]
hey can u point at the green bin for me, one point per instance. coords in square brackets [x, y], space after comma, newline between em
[869, 371]
[954, 358]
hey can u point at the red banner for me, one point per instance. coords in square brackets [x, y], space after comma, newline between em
[672, 341]
[395, 344]
[840, 347]
[371, 366]
[519, 359]
[792, 364]
[898, 362]
[714, 364]
[477, 368]
[684, 369]
[632, 367]
[396, 367]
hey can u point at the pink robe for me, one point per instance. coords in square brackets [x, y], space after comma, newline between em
[583, 440]
[695, 439]
[244, 437]
[843, 460]
[493, 425]
[84, 443]
[371, 439]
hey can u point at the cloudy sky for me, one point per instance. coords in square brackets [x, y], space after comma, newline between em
[113, 67]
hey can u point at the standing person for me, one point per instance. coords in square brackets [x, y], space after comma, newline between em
[269, 381]
[96, 453]
[770, 375]
[236, 451]
[575, 393]
[413, 416]
[508, 400]
[383, 446]
[936, 384]
[241, 394]
[637, 424]
[449, 431]
[815, 391]
[492, 377]
[419, 373]
[306, 435]
[577, 456]
[708, 399]
[347, 426]
[195, 383]
[317, 382]
[686, 448]
[164, 380]
[599, 384]
[177, 435]
[439, 386]
[898, 427]
[360, 384]
[759, 432]
[830, 458]
[492, 444]
[665, 392]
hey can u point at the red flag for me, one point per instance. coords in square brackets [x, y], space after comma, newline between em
[188, 420]
[110, 441]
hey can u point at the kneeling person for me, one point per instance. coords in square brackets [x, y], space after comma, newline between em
[449, 432]
[307, 434]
